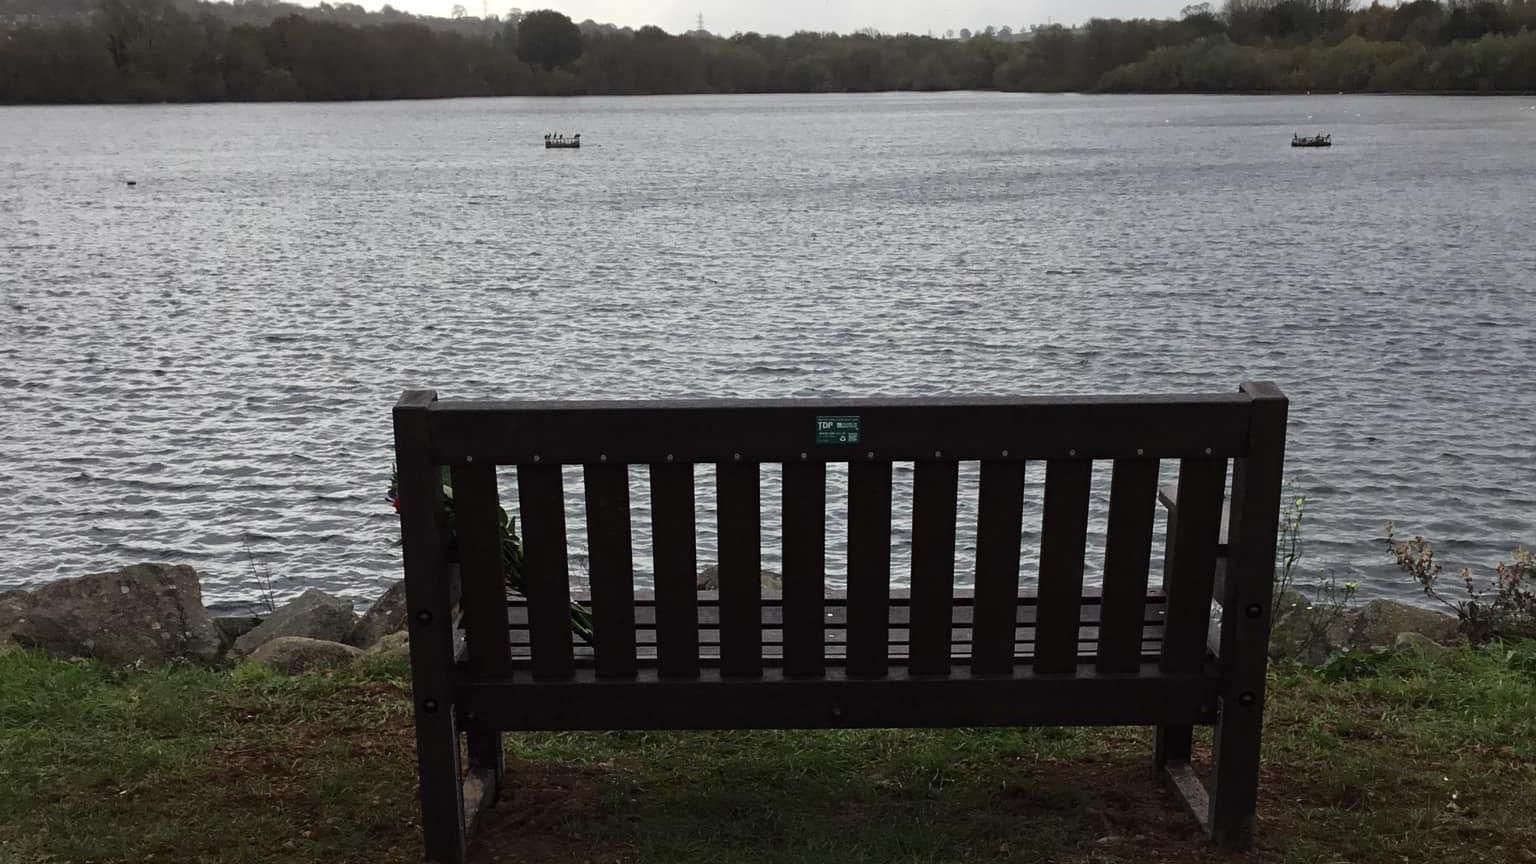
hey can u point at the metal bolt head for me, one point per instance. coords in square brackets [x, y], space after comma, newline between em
[938, 454]
[1247, 699]
[536, 457]
[871, 454]
[602, 457]
[736, 457]
[670, 457]
[430, 706]
[1207, 451]
[1255, 610]
[1005, 454]
[469, 458]
[803, 457]
[1071, 452]
[1140, 452]
[424, 616]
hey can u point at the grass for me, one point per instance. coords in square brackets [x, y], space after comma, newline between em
[1383, 759]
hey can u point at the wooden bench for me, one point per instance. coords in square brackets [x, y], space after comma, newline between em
[668, 656]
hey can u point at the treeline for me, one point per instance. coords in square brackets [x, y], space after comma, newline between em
[1490, 64]
[159, 51]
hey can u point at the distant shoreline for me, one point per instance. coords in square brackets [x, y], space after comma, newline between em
[155, 52]
[1246, 93]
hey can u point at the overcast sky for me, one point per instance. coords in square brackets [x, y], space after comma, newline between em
[787, 16]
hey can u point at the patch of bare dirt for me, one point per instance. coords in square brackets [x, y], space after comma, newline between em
[539, 818]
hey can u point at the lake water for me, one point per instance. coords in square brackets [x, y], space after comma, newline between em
[209, 357]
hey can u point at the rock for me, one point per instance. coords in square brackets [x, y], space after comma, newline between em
[396, 644]
[1305, 632]
[1377, 624]
[232, 627]
[385, 616]
[313, 614]
[144, 613]
[295, 655]
[709, 579]
[1418, 643]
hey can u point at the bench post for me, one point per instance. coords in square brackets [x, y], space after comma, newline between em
[1256, 489]
[429, 604]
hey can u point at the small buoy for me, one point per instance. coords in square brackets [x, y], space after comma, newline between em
[133, 182]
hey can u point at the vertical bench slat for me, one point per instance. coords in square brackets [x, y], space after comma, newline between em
[1064, 532]
[677, 573]
[482, 572]
[1127, 555]
[999, 522]
[869, 567]
[1193, 571]
[741, 623]
[541, 499]
[934, 490]
[612, 570]
[805, 513]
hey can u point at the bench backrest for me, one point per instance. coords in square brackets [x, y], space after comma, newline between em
[1132, 434]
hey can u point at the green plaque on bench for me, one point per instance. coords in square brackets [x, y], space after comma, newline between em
[837, 430]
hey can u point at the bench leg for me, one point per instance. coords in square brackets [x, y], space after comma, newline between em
[442, 793]
[1235, 792]
[487, 774]
[1173, 744]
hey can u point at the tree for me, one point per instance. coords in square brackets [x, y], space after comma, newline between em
[458, 11]
[965, 33]
[548, 38]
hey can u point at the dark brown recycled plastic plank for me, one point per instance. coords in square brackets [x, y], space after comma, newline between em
[612, 569]
[869, 566]
[477, 521]
[1127, 556]
[739, 501]
[676, 613]
[1063, 533]
[429, 606]
[836, 604]
[541, 500]
[934, 490]
[1080, 697]
[805, 507]
[1256, 489]
[1193, 573]
[998, 527]
[1096, 427]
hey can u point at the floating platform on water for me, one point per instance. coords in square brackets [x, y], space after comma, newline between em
[560, 142]
[1313, 141]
